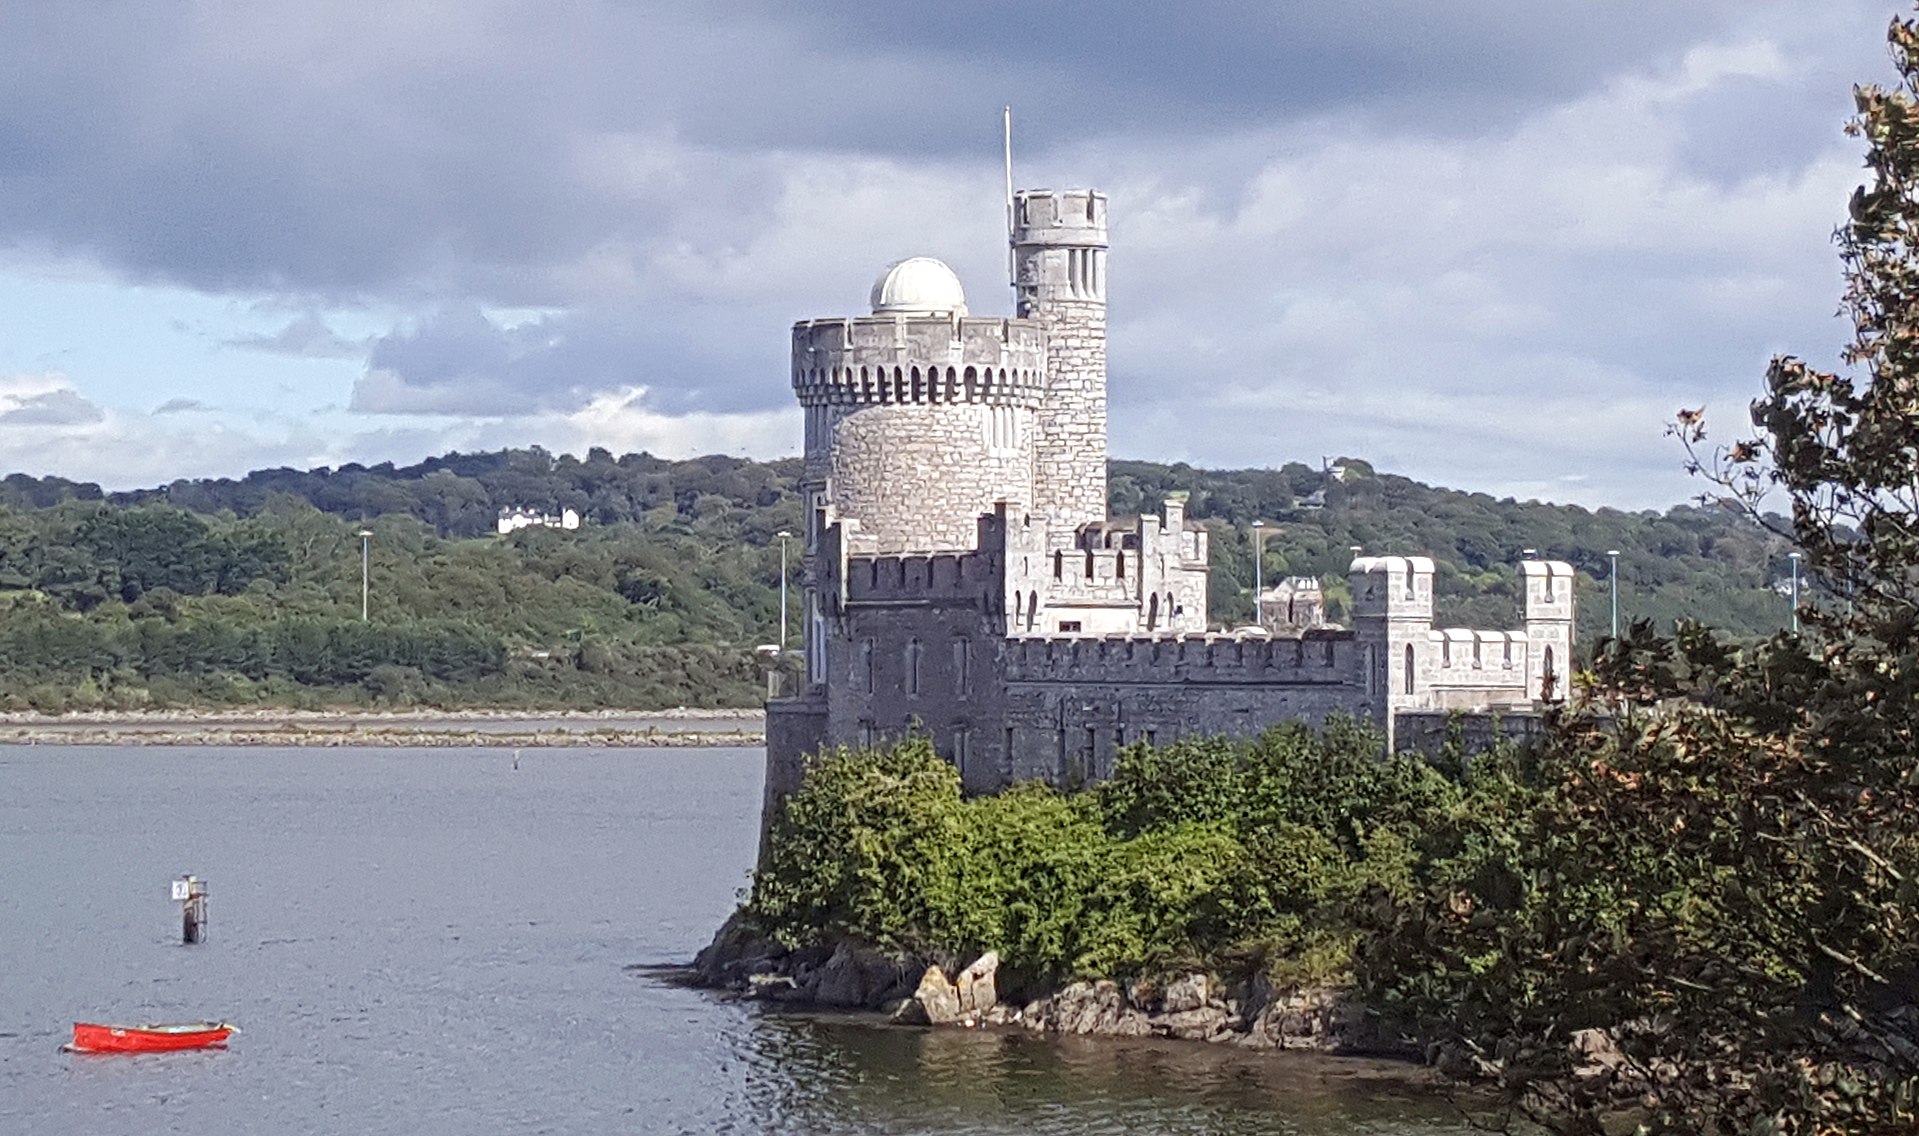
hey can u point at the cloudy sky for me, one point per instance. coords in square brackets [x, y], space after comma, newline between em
[1491, 244]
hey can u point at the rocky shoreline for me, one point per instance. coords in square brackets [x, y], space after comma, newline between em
[519, 729]
[916, 990]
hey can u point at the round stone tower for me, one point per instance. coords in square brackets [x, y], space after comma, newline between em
[1059, 264]
[918, 417]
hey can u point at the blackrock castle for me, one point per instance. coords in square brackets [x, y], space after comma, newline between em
[962, 578]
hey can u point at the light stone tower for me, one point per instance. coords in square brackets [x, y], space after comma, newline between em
[1059, 266]
[918, 418]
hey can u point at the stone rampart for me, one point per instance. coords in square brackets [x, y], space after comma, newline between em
[922, 579]
[1319, 657]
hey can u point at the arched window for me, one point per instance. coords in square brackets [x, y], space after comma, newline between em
[1019, 607]
[1152, 612]
[1032, 609]
[1445, 652]
[1089, 564]
[912, 666]
[1059, 565]
[1409, 668]
[1119, 565]
[1547, 676]
[1372, 661]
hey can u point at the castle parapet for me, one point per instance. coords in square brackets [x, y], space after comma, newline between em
[1075, 217]
[1392, 587]
[939, 576]
[1320, 657]
[919, 359]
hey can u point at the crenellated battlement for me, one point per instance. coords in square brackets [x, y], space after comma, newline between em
[1319, 657]
[1463, 657]
[919, 360]
[1075, 217]
[917, 579]
[1392, 587]
[1549, 589]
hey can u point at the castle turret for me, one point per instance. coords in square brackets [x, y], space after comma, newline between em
[1549, 626]
[1059, 258]
[919, 418]
[1392, 617]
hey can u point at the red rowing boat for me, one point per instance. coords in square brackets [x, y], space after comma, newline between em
[91, 1038]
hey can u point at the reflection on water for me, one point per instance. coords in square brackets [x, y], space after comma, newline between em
[428, 942]
[818, 1074]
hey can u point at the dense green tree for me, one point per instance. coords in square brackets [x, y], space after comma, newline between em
[1716, 865]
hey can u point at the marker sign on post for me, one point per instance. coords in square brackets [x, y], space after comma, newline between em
[181, 891]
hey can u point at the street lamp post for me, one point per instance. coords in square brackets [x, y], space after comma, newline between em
[366, 554]
[1612, 557]
[784, 536]
[1794, 557]
[1259, 577]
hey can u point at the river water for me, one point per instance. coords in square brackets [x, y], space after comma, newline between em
[434, 941]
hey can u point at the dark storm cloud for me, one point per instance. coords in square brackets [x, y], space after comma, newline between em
[377, 148]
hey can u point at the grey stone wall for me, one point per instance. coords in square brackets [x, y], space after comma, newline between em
[915, 425]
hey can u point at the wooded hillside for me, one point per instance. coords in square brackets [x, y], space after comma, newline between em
[248, 590]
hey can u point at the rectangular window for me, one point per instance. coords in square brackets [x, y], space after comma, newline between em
[1151, 736]
[962, 667]
[864, 674]
[912, 666]
[866, 733]
[961, 736]
[1069, 625]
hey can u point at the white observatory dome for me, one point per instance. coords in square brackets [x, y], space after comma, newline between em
[918, 286]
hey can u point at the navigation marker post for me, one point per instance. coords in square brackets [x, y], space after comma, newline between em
[190, 892]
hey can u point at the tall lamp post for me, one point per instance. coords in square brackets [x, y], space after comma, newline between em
[1794, 557]
[1259, 578]
[784, 536]
[366, 556]
[1612, 557]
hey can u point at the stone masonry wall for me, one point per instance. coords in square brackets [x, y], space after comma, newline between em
[1070, 471]
[918, 477]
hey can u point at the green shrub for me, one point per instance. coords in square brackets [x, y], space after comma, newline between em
[1236, 855]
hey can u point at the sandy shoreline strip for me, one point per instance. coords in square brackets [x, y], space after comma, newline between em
[415, 727]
